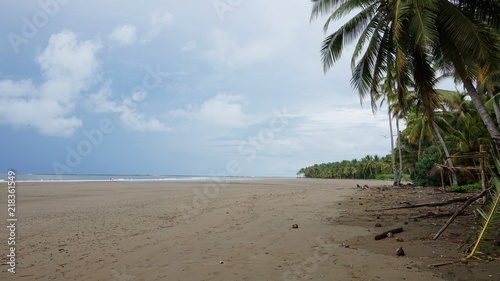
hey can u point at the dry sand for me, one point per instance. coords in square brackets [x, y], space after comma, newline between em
[238, 230]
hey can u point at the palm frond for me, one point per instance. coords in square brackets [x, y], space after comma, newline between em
[372, 29]
[463, 171]
[333, 45]
[424, 75]
[321, 7]
[465, 41]
[490, 82]
[486, 10]
[421, 23]
[495, 99]
[347, 7]
[490, 213]
[331, 49]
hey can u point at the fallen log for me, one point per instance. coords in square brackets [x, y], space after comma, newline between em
[432, 204]
[435, 215]
[384, 234]
[461, 209]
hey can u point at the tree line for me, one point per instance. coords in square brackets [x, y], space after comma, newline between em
[456, 133]
[366, 168]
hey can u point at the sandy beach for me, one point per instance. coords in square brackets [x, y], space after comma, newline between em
[235, 230]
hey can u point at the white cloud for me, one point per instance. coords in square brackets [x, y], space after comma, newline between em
[157, 22]
[160, 20]
[227, 51]
[223, 110]
[338, 119]
[325, 133]
[126, 109]
[125, 34]
[69, 67]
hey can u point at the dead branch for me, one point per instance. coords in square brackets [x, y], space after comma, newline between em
[384, 234]
[442, 263]
[432, 204]
[435, 215]
[461, 209]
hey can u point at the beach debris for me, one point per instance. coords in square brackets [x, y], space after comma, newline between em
[358, 186]
[400, 252]
[221, 262]
[378, 224]
[366, 186]
[471, 200]
[345, 245]
[400, 239]
[295, 225]
[384, 234]
[389, 235]
[432, 204]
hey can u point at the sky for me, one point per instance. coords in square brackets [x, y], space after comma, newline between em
[215, 87]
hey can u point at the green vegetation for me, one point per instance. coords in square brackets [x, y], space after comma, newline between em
[368, 167]
[466, 187]
[462, 133]
[402, 49]
[423, 166]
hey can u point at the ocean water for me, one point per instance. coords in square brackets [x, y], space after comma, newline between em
[112, 177]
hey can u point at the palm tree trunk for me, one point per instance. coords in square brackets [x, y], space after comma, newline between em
[483, 112]
[446, 153]
[399, 150]
[419, 149]
[392, 152]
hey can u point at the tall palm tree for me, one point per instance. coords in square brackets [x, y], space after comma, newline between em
[444, 124]
[388, 97]
[409, 37]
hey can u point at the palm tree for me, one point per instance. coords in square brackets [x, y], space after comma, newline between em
[444, 124]
[419, 127]
[389, 97]
[391, 132]
[410, 37]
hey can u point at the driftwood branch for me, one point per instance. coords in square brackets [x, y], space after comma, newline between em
[443, 263]
[461, 209]
[384, 234]
[432, 204]
[435, 215]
